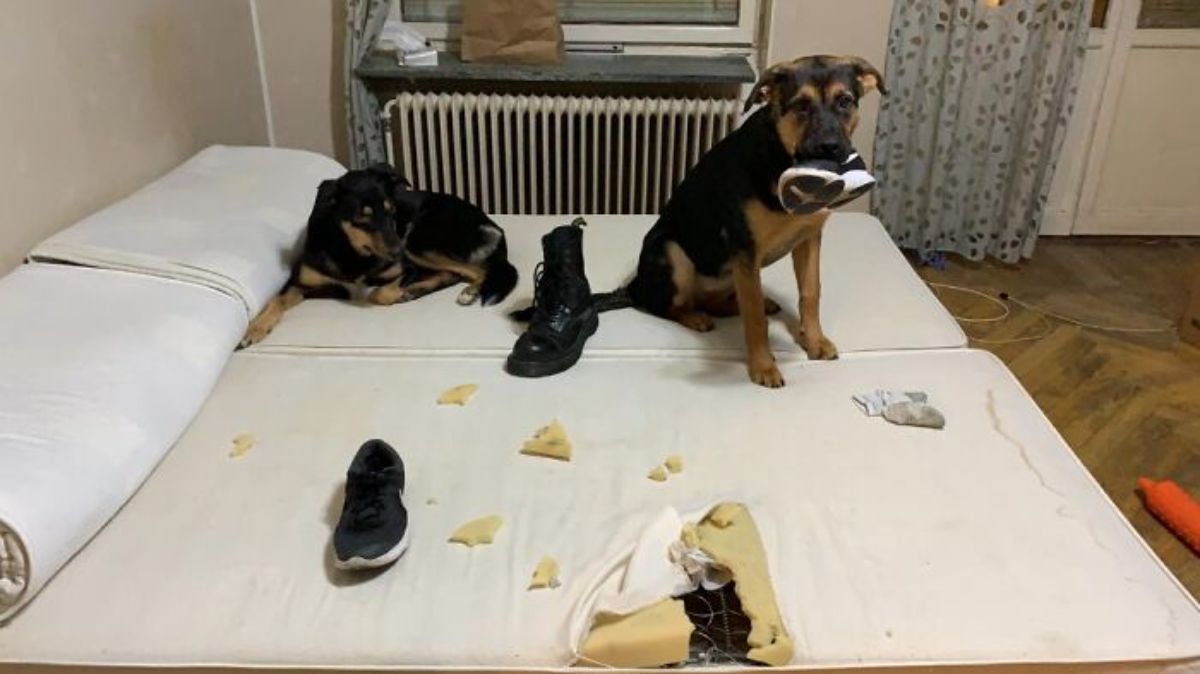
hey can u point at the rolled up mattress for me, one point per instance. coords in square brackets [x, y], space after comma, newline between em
[100, 372]
[229, 218]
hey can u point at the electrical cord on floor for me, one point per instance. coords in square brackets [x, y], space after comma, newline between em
[1045, 314]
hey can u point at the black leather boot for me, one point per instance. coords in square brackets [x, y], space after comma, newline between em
[563, 316]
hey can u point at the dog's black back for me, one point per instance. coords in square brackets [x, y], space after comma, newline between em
[704, 214]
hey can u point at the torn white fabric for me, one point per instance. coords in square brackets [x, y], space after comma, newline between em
[872, 404]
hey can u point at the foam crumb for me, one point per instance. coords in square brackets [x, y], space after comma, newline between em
[550, 442]
[242, 443]
[658, 474]
[674, 463]
[545, 576]
[459, 395]
[481, 531]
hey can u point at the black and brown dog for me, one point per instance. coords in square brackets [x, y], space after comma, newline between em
[724, 222]
[370, 229]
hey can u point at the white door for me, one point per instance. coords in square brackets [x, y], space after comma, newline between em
[1140, 172]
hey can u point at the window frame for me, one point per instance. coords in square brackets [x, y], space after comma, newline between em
[742, 34]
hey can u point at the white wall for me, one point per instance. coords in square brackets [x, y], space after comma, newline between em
[101, 97]
[301, 46]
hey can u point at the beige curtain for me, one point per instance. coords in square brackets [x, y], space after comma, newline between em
[364, 22]
[968, 140]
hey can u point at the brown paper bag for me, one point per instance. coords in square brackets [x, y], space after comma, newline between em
[512, 31]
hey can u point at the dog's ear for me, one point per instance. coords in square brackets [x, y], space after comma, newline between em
[382, 169]
[769, 84]
[869, 77]
[327, 192]
[388, 173]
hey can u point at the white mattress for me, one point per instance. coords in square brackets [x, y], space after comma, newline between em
[100, 372]
[872, 301]
[987, 542]
[228, 218]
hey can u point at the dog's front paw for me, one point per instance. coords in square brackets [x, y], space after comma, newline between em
[388, 295]
[820, 349]
[256, 333]
[468, 295]
[765, 373]
[696, 320]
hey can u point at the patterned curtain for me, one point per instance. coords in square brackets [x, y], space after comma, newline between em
[364, 22]
[968, 139]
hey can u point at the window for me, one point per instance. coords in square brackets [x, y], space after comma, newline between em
[714, 22]
[704, 12]
[1169, 14]
[1099, 13]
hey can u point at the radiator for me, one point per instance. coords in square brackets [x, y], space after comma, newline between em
[552, 154]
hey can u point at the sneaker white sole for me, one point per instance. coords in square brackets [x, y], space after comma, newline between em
[804, 190]
[359, 563]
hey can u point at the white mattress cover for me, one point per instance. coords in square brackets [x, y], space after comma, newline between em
[100, 372]
[987, 542]
[228, 218]
[872, 300]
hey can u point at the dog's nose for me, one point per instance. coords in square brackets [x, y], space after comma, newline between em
[829, 149]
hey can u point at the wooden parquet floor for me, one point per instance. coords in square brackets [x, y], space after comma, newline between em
[1128, 403]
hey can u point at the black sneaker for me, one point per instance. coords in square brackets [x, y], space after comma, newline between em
[858, 181]
[812, 185]
[563, 315]
[373, 528]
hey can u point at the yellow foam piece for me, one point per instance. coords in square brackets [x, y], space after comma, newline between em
[674, 463]
[724, 514]
[241, 444]
[654, 636]
[728, 535]
[550, 442]
[459, 395]
[658, 474]
[545, 575]
[481, 531]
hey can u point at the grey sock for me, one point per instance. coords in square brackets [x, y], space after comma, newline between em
[908, 413]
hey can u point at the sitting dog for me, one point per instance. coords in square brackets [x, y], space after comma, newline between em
[370, 229]
[725, 222]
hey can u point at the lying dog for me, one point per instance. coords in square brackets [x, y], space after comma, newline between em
[724, 222]
[369, 229]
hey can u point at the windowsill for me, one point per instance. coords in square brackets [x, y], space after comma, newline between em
[578, 68]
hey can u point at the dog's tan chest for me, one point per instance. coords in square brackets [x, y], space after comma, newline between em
[776, 233]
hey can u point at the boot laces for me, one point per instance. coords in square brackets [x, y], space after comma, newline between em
[545, 294]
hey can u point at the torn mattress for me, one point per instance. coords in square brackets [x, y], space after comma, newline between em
[229, 218]
[986, 542]
[872, 301]
[100, 372]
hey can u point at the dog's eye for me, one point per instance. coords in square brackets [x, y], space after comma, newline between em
[368, 211]
[387, 204]
[802, 106]
[845, 102]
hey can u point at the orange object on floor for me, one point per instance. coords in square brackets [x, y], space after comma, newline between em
[1175, 508]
